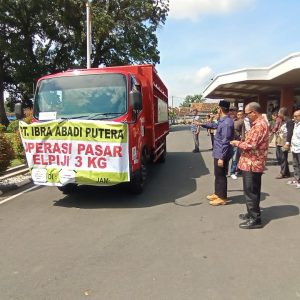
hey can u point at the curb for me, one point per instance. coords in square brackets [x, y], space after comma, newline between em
[14, 172]
[10, 187]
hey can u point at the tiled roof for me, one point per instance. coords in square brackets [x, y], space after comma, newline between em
[204, 107]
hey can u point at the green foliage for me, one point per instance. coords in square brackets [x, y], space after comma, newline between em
[18, 147]
[41, 37]
[214, 110]
[9, 105]
[16, 137]
[124, 31]
[2, 128]
[6, 152]
[38, 38]
[172, 114]
[188, 100]
[28, 116]
[13, 126]
[16, 162]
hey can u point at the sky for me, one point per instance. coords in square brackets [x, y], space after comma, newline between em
[203, 38]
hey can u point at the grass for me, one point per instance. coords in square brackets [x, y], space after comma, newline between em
[16, 162]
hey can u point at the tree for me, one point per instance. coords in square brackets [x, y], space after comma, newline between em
[172, 114]
[124, 31]
[188, 100]
[40, 37]
[36, 38]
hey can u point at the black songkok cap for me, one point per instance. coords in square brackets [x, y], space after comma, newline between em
[224, 104]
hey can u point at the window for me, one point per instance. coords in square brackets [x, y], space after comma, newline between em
[96, 96]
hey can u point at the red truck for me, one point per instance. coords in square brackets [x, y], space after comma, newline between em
[133, 95]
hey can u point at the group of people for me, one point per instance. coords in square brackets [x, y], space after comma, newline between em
[244, 137]
[286, 133]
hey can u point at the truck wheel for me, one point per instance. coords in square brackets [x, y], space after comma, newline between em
[163, 157]
[68, 188]
[137, 183]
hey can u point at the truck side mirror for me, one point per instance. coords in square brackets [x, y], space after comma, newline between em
[19, 111]
[136, 100]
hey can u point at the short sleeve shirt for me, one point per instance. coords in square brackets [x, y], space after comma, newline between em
[194, 126]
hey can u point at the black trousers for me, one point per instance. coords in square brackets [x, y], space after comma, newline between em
[221, 178]
[252, 189]
[296, 165]
[282, 158]
[212, 139]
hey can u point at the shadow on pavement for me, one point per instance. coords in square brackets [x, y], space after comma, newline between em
[166, 183]
[278, 212]
[240, 199]
[179, 128]
[206, 150]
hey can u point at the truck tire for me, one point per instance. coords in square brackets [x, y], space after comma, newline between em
[68, 188]
[162, 158]
[138, 181]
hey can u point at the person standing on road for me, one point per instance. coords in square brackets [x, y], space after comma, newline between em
[214, 120]
[252, 162]
[293, 143]
[282, 143]
[208, 120]
[222, 153]
[275, 127]
[195, 129]
[272, 124]
[238, 122]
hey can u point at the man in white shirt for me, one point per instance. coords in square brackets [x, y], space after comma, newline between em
[295, 149]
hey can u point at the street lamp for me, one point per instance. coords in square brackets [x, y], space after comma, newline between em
[88, 33]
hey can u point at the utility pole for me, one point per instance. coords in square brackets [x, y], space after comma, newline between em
[173, 114]
[177, 98]
[88, 34]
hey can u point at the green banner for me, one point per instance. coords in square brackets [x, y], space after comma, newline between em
[76, 151]
[75, 130]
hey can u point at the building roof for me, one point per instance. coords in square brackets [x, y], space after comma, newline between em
[181, 111]
[204, 107]
[249, 83]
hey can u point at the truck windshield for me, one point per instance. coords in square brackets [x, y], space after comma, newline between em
[97, 96]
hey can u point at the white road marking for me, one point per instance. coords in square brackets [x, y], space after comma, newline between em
[19, 194]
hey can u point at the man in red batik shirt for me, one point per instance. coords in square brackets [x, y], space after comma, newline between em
[252, 162]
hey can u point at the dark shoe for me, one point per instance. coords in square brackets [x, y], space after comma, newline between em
[195, 151]
[244, 217]
[251, 224]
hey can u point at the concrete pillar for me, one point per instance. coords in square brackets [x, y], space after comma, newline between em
[246, 101]
[263, 103]
[287, 99]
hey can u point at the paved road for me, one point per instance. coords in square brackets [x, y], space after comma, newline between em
[165, 244]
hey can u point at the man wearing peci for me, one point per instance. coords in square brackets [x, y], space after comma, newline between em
[222, 153]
